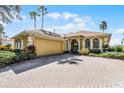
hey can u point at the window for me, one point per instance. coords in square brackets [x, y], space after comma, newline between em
[87, 43]
[66, 44]
[96, 43]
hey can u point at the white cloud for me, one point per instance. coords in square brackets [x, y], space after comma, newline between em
[116, 36]
[64, 15]
[115, 41]
[24, 17]
[68, 15]
[85, 19]
[78, 23]
[54, 15]
[3, 24]
[70, 27]
[119, 31]
[78, 20]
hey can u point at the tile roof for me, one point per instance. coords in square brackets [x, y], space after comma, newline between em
[87, 34]
[40, 33]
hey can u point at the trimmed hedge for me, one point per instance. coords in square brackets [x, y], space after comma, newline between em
[95, 51]
[84, 51]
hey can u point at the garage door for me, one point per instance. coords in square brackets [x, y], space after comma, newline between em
[46, 47]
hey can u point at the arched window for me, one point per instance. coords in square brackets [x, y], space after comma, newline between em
[87, 43]
[96, 43]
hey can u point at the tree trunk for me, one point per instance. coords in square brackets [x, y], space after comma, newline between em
[35, 24]
[42, 22]
[103, 30]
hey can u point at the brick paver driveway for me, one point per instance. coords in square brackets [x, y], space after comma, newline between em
[64, 71]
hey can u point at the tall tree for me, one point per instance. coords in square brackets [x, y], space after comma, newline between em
[1, 33]
[34, 16]
[43, 11]
[103, 26]
[1, 28]
[9, 12]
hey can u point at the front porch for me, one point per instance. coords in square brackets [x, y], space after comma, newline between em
[75, 44]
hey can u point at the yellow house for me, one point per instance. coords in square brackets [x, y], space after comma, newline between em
[86, 39]
[46, 42]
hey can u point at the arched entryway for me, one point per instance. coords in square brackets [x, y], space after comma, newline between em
[96, 43]
[87, 43]
[74, 46]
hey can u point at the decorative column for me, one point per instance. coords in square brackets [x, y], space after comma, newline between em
[21, 44]
[83, 41]
[91, 43]
[30, 40]
[79, 45]
[100, 44]
[15, 44]
[69, 45]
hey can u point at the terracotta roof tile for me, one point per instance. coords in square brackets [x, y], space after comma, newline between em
[87, 34]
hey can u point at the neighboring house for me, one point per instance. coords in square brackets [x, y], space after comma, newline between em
[46, 42]
[86, 39]
[7, 41]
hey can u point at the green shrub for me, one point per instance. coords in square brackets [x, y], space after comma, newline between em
[120, 55]
[84, 51]
[115, 49]
[95, 51]
[111, 49]
[119, 48]
[27, 54]
[105, 46]
[6, 57]
[92, 54]
[108, 54]
[8, 46]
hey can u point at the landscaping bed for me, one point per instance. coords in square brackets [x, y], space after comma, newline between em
[114, 52]
[6, 57]
[14, 56]
[113, 55]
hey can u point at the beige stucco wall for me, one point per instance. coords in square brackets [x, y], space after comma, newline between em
[47, 47]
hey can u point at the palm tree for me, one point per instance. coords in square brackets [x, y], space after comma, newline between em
[34, 16]
[43, 11]
[1, 33]
[122, 41]
[103, 26]
[9, 12]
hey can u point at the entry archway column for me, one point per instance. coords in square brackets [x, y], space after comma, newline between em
[100, 44]
[69, 45]
[79, 45]
[91, 43]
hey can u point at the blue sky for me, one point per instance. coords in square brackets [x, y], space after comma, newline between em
[70, 18]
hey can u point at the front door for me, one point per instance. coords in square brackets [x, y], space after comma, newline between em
[74, 46]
